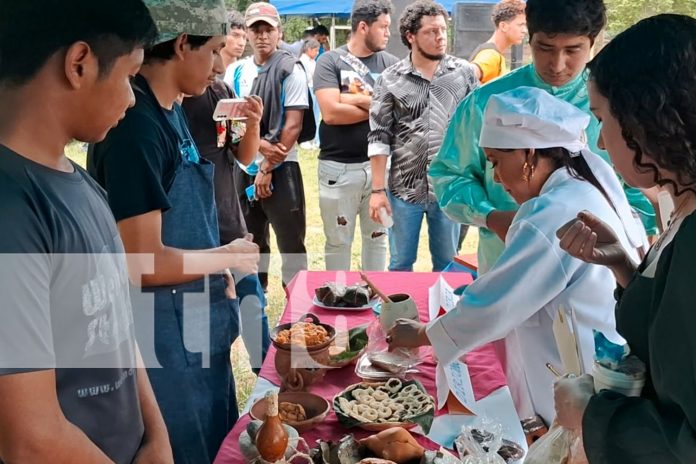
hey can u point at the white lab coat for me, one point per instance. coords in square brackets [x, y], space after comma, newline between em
[521, 293]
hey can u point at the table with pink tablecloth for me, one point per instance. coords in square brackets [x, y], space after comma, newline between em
[484, 368]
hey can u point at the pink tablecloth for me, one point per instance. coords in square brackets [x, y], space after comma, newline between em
[484, 367]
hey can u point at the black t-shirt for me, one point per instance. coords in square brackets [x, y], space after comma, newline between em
[65, 299]
[199, 111]
[137, 161]
[346, 143]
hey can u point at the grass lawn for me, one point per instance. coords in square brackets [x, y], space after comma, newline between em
[244, 378]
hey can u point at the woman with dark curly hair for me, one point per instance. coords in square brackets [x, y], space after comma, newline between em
[643, 89]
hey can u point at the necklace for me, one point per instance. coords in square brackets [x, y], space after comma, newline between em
[674, 218]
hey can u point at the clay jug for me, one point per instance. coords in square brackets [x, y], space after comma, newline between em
[272, 438]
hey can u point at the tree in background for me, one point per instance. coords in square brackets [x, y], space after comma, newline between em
[239, 5]
[624, 13]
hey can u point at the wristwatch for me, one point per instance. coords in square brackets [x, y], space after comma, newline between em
[382, 190]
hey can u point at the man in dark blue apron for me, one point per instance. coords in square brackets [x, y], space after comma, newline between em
[161, 193]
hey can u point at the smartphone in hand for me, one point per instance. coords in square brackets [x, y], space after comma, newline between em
[230, 109]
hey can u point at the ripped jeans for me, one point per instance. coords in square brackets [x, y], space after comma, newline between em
[344, 195]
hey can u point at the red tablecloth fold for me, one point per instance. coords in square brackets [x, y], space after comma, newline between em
[484, 368]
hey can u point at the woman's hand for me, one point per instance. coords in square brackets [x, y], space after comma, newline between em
[407, 333]
[591, 240]
[571, 395]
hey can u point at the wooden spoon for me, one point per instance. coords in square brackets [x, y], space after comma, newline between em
[374, 289]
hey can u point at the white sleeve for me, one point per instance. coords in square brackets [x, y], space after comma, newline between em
[296, 89]
[526, 277]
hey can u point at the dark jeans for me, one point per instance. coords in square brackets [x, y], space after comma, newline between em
[254, 322]
[285, 211]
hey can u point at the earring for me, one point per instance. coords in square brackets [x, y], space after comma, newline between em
[525, 169]
[527, 172]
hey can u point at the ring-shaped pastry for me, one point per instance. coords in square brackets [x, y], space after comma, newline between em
[393, 385]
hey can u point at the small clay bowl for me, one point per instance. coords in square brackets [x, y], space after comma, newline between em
[315, 320]
[316, 407]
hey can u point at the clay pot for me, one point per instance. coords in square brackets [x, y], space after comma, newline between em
[300, 366]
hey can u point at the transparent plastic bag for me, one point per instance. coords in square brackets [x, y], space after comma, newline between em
[479, 444]
[558, 446]
[398, 361]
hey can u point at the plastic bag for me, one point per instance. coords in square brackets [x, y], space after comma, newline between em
[397, 361]
[480, 444]
[558, 446]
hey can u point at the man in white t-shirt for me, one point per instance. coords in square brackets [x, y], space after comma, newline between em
[271, 188]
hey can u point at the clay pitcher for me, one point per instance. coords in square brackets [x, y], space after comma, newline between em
[272, 438]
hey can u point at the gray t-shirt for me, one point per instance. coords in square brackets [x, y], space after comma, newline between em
[65, 299]
[346, 143]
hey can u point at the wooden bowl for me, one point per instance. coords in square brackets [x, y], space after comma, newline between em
[316, 407]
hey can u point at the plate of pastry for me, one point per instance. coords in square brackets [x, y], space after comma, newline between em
[337, 297]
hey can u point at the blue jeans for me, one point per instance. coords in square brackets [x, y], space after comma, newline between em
[254, 322]
[443, 235]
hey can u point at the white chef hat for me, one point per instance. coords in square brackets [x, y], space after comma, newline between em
[528, 117]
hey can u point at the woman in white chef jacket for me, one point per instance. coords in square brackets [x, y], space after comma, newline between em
[536, 145]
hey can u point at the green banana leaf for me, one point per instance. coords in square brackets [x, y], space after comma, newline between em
[357, 341]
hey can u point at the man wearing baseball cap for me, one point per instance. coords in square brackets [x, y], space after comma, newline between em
[161, 194]
[272, 184]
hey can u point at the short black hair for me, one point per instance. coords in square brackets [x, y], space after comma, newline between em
[32, 31]
[647, 75]
[575, 17]
[368, 11]
[165, 51]
[321, 29]
[235, 19]
[410, 20]
[507, 10]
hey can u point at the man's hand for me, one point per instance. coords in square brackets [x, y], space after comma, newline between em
[253, 110]
[499, 222]
[377, 202]
[247, 252]
[263, 184]
[275, 153]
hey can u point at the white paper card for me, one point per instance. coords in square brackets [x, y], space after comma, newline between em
[441, 296]
[460, 384]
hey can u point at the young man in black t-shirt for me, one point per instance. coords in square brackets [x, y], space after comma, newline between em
[343, 83]
[70, 389]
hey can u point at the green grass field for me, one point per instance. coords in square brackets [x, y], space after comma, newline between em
[244, 378]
